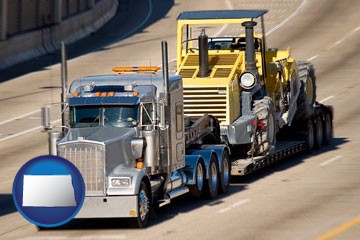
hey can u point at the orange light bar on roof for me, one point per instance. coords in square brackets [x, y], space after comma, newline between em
[136, 69]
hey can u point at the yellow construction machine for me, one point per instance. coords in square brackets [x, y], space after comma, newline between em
[254, 91]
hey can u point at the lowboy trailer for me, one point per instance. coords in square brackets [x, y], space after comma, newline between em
[136, 147]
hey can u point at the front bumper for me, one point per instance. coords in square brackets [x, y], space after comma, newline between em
[109, 207]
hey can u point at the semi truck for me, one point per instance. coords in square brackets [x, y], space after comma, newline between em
[129, 138]
[137, 144]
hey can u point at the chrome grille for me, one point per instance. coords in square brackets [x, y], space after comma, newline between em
[89, 158]
[205, 100]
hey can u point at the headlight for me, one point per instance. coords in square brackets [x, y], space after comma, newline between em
[120, 182]
[247, 80]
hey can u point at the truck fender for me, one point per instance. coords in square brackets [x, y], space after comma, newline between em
[191, 162]
[137, 175]
[219, 150]
[206, 156]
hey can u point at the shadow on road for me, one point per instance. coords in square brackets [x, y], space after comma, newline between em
[6, 204]
[120, 27]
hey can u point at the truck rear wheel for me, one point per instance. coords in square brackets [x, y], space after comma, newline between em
[212, 183]
[318, 133]
[196, 190]
[225, 173]
[328, 130]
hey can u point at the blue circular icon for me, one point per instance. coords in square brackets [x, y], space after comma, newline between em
[48, 191]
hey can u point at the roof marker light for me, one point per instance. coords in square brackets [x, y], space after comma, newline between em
[136, 69]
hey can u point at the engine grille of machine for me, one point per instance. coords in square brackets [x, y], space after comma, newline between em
[205, 100]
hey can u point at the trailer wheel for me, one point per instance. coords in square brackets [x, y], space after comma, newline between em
[318, 133]
[196, 190]
[212, 183]
[143, 207]
[225, 174]
[310, 138]
[328, 130]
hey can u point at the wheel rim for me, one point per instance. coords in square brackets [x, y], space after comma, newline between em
[309, 89]
[143, 205]
[310, 135]
[226, 173]
[213, 176]
[200, 176]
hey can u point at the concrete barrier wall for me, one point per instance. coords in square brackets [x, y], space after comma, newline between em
[31, 44]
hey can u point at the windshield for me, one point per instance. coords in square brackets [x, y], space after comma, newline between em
[111, 116]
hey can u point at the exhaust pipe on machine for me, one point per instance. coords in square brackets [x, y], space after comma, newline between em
[250, 45]
[203, 54]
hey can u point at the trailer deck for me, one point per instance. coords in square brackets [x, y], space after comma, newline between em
[244, 166]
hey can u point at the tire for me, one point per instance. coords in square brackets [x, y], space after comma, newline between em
[225, 173]
[212, 183]
[307, 95]
[318, 133]
[143, 207]
[264, 110]
[197, 189]
[310, 136]
[328, 129]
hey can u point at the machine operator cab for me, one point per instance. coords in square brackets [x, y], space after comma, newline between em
[233, 43]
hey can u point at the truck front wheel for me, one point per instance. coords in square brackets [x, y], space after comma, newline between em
[143, 207]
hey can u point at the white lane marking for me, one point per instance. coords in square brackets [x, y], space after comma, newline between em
[26, 131]
[326, 99]
[239, 203]
[312, 58]
[286, 20]
[21, 116]
[341, 40]
[330, 161]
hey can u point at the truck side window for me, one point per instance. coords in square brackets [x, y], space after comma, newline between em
[146, 113]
